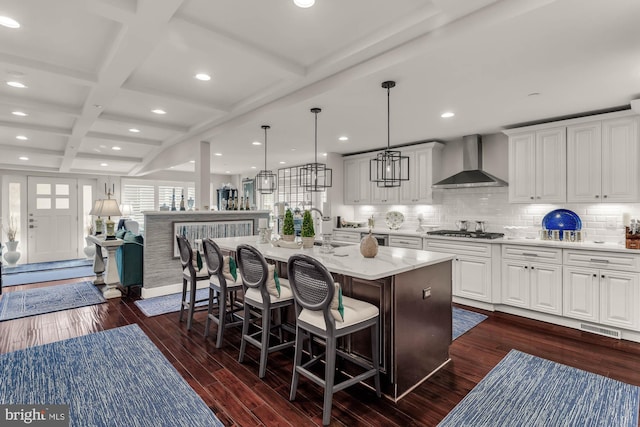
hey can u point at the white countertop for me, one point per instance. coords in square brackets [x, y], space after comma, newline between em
[388, 262]
[383, 230]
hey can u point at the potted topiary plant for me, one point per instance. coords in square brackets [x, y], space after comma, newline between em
[308, 233]
[287, 227]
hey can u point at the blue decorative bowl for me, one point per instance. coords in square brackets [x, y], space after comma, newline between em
[561, 219]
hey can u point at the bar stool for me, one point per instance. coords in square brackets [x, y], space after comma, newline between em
[224, 290]
[314, 292]
[255, 273]
[190, 278]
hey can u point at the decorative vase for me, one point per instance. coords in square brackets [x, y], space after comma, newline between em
[307, 242]
[90, 249]
[288, 237]
[12, 255]
[369, 246]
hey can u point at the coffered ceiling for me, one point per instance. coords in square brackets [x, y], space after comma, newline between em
[95, 69]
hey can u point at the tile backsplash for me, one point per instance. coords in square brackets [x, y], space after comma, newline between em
[601, 221]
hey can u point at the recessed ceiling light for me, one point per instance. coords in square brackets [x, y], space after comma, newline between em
[217, 154]
[192, 161]
[203, 76]
[447, 115]
[344, 138]
[116, 148]
[324, 154]
[22, 137]
[19, 113]
[304, 3]
[227, 171]
[253, 167]
[293, 149]
[104, 164]
[134, 130]
[23, 158]
[16, 84]
[283, 163]
[257, 143]
[5, 21]
[159, 111]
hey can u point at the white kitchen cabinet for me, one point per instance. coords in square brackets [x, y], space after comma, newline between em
[602, 161]
[411, 242]
[537, 166]
[424, 167]
[594, 290]
[531, 280]
[346, 236]
[357, 187]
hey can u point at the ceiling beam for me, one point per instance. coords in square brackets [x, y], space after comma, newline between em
[30, 150]
[209, 105]
[107, 157]
[62, 73]
[42, 106]
[120, 138]
[36, 128]
[143, 122]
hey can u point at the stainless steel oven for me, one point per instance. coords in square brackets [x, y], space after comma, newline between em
[383, 239]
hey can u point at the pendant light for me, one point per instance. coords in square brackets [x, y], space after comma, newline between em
[389, 168]
[266, 179]
[315, 176]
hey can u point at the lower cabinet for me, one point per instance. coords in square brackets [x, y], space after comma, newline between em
[534, 286]
[603, 296]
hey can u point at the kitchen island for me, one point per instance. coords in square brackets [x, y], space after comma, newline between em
[411, 287]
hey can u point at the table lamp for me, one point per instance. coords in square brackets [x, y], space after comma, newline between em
[97, 208]
[110, 208]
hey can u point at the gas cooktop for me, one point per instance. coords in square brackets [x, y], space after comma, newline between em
[471, 234]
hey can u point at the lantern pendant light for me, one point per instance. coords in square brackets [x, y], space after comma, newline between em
[389, 168]
[315, 176]
[266, 179]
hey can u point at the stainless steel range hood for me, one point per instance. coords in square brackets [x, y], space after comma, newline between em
[472, 175]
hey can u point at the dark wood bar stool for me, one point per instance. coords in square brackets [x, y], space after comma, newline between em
[255, 274]
[222, 292]
[317, 307]
[190, 278]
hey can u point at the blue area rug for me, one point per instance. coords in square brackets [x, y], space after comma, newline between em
[40, 266]
[524, 390]
[464, 320]
[46, 275]
[168, 303]
[112, 378]
[31, 302]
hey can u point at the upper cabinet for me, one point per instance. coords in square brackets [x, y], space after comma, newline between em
[583, 160]
[424, 165]
[537, 166]
[602, 161]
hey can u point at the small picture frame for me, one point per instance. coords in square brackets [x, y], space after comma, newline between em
[248, 185]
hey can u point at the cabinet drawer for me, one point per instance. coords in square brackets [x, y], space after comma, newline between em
[532, 254]
[346, 236]
[405, 242]
[606, 260]
[458, 247]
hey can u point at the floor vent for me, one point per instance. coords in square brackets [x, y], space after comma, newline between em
[601, 331]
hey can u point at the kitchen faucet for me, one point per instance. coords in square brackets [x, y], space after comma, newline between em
[324, 218]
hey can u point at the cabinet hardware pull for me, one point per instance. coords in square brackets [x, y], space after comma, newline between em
[595, 275]
[526, 266]
[532, 267]
[597, 196]
[605, 196]
[602, 276]
[598, 260]
[531, 197]
[529, 254]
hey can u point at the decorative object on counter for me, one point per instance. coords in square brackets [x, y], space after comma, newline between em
[281, 243]
[389, 168]
[369, 246]
[462, 224]
[182, 207]
[420, 219]
[371, 222]
[481, 226]
[560, 220]
[288, 232]
[266, 179]
[394, 220]
[191, 203]
[353, 224]
[308, 233]
[173, 201]
[513, 231]
[632, 234]
[316, 176]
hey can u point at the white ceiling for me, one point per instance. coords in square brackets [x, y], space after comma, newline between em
[96, 68]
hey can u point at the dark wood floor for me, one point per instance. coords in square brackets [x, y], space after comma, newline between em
[238, 397]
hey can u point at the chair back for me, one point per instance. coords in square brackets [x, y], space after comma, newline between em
[186, 254]
[254, 269]
[311, 283]
[213, 259]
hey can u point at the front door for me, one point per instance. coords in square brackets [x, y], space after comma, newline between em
[52, 219]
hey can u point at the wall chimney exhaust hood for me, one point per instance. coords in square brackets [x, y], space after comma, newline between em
[472, 175]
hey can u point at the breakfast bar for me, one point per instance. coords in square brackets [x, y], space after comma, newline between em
[411, 287]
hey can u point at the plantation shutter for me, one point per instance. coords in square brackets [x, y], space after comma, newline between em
[141, 198]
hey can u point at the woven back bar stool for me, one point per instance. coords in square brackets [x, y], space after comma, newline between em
[190, 278]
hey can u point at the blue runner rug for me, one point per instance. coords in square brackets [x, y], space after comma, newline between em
[112, 378]
[168, 303]
[464, 320]
[524, 390]
[31, 302]
[47, 275]
[41, 266]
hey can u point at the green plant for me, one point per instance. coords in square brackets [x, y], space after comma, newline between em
[287, 226]
[307, 225]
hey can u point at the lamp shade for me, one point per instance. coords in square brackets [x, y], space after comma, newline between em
[110, 208]
[97, 207]
[126, 210]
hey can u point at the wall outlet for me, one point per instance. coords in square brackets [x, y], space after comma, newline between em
[426, 293]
